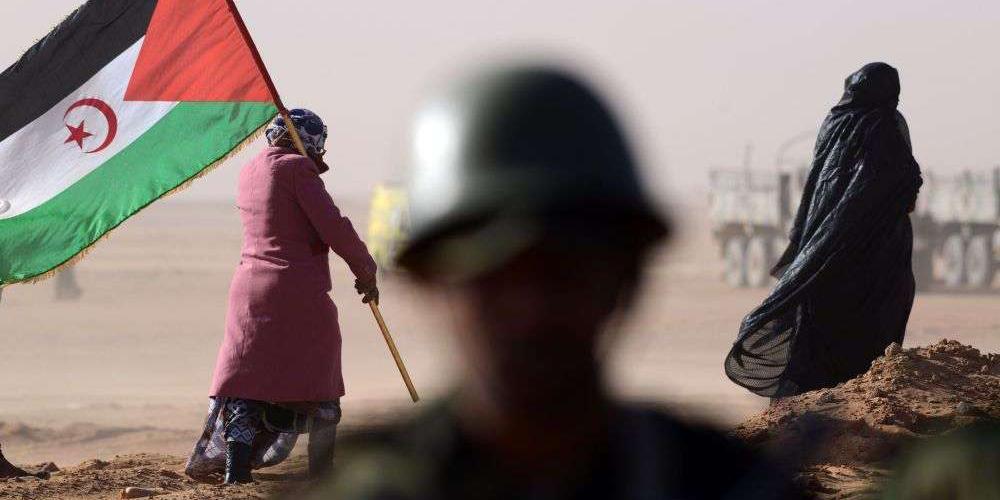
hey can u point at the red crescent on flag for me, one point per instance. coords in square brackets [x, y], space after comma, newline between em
[109, 115]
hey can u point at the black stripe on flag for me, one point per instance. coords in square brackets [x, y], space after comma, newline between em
[86, 41]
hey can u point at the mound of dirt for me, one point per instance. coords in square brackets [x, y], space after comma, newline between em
[855, 429]
[145, 475]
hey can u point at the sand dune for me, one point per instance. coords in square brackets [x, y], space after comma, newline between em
[849, 436]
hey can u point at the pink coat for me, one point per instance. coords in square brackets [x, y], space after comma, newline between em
[282, 339]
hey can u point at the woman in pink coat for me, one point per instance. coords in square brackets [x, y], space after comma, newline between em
[279, 366]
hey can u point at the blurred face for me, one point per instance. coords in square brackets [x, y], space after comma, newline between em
[530, 328]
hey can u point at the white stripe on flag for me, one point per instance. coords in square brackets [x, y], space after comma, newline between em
[36, 162]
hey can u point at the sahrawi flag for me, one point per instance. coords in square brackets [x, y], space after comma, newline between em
[119, 105]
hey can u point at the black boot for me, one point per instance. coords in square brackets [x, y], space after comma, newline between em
[238, 463]
[321, 442]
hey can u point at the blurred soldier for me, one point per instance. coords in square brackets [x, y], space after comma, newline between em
[278, 371]
[529, 218]
[846, 284]
[963, 465]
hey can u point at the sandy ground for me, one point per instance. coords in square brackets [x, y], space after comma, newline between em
[850, 437]
[151, 475]
[124, 369]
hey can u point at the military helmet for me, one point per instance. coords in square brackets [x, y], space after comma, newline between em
[509, 155]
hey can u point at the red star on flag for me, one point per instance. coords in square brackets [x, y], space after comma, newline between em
[77, 134]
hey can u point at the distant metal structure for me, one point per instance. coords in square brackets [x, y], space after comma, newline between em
[781, 157]
[751, 212]
[956, 225]
[959, 215]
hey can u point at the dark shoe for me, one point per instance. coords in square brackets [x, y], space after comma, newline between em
[238, 463]
[321, 444]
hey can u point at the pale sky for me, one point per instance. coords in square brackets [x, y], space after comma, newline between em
[695, 80]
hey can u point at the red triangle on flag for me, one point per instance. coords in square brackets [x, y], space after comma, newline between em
[195, 51]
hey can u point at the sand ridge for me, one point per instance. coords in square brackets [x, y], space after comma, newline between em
[845, 438]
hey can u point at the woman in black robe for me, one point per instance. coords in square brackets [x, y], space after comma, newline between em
[845, 284]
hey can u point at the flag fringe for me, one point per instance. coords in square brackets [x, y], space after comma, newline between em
[72, 261]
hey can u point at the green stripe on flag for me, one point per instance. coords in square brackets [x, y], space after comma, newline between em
[193, 136]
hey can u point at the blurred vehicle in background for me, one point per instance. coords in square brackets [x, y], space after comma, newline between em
[956, 225]
[960, 217]
[751, 211]
[388, 223]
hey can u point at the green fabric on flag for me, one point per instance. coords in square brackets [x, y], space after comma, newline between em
[190, 138]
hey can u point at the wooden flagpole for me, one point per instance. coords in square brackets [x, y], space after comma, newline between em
[290, 125]
[374, 307]
[395, 352]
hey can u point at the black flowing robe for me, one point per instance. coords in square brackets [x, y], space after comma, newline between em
[845, 284]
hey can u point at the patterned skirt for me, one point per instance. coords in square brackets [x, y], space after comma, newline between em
[274, 438]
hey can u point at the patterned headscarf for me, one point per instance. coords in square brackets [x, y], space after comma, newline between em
[310, 127]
